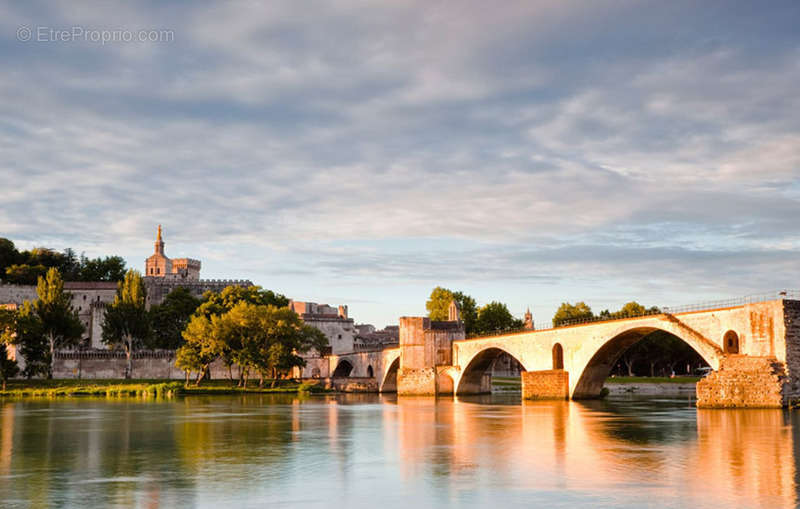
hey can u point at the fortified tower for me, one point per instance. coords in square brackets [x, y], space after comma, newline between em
[158, 265]
[426, 353]
[162, 275]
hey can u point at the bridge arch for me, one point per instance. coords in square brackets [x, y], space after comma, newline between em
[472, 380]
[446, 384]
[343, 369]
[389, 382]
[593, 375]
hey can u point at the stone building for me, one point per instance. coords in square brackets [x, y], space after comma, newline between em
[333, 322]
[90, 298]
[163, 274]
[159, 266]
[369, 338]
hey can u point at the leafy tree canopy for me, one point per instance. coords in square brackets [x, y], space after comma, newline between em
[265, 339]
[219, 303]
[31, 342]
[439, 303]
[570, 312]
[438, 306]
[495, 317]
[60, 323]
[170, 318]
[126, 320]
[25, 267]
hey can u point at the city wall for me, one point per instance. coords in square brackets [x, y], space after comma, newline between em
[110, 364]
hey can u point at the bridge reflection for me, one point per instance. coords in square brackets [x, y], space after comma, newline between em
[730, 458]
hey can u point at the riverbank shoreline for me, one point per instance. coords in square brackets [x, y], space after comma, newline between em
[149, 388]
[170, 388]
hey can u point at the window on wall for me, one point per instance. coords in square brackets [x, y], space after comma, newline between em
[731, 342]
[340, 336]
[158, 270]
[558, 356]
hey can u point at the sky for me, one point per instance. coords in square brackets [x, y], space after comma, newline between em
[362, 153]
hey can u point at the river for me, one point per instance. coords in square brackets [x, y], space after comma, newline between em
[369, 451]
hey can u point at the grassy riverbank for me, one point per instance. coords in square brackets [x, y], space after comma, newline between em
[144, 388]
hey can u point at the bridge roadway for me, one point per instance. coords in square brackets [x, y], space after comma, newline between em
[753, 348]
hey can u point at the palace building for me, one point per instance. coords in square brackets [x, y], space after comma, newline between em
[162, 275]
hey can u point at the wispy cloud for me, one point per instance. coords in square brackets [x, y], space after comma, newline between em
[540, 149]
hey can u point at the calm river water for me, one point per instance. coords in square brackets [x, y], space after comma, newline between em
[381, 452]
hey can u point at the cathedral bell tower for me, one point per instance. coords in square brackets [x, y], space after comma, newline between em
[159, 243]
[158, 265]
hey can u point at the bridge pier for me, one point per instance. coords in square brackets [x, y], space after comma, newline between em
[416, 382]
[744, 381]
[547, 384]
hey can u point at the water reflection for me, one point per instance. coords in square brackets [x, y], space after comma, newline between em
[322, 451]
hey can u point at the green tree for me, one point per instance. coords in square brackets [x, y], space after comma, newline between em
[572, 312]
[8, 367]
[8, 256]
[495, 317]
[469, 311]
[69, 266]
[188, 359]
[24, 274]
[438, 306]
[126, 320]
[286, 337]
[630, 309]
[30, 341]
[60, 323]
[169, 319]
[438, 303]
[47, 257]
[110, 268]
[219, 303]
[202, 347]
[265, 339]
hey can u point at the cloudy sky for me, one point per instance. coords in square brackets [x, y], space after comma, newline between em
[359, 152]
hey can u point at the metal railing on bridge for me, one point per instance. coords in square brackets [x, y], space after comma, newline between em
[738, 301]
[672, 310]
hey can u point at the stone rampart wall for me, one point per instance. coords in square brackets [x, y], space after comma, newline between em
[111, 365]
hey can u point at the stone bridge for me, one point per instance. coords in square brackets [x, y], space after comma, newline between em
[754, 350]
